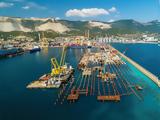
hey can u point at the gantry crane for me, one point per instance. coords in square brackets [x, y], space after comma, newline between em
[43, 41]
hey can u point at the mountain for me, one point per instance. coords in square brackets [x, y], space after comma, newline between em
[127, 26]
[153, 26]
[9, 24]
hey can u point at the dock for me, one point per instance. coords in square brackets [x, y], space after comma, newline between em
[140, 68]
[87, 71]
[109, 98]
[102, 74]
[73, 97]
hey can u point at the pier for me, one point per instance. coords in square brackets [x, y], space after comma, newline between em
[109, 98]
[101, 74]
[140, 68]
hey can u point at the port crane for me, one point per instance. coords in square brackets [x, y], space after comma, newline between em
[57, 68]
[43, 41]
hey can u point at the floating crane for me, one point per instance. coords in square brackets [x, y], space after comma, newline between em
[58, 68]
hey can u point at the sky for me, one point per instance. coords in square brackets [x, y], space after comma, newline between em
[101, 10]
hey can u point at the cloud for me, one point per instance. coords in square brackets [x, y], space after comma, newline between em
[6, 4]
[90, 12]
[112, 10]
[34, 5]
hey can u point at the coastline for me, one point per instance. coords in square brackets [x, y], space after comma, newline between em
[140, 68]
[136, 43]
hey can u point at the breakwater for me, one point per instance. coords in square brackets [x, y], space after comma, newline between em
[140, 68]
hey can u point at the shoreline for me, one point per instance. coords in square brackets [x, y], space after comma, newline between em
[136, 43]
[150, 75]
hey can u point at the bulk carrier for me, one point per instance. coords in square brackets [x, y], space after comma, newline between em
[10, 52]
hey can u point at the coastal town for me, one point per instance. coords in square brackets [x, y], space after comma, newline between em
[26, 42]
[17, 45]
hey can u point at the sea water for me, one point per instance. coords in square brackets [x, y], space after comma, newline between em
[19, 103]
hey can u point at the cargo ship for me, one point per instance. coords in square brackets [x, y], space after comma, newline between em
[35, 49]
[10, 52]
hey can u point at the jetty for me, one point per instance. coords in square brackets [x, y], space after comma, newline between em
[109, 98]
[140, 68]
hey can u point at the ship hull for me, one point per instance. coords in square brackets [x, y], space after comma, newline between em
[46, 81]
[35, 50]
[10, 52]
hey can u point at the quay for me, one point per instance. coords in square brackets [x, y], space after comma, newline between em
[109, 98]
[73, 97]
[140, 68]
[99, 75]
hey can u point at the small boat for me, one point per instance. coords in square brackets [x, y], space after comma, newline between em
[138, 87]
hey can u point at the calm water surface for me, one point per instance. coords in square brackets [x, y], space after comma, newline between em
[19, 103]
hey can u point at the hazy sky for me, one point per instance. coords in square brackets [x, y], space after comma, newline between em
[105, 10]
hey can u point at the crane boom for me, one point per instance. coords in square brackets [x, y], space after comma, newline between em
[57, 68]
[54, 63]
[63, 56]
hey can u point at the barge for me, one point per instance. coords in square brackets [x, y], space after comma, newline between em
[49, 81]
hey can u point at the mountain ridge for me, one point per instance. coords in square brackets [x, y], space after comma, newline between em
[10, 24]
